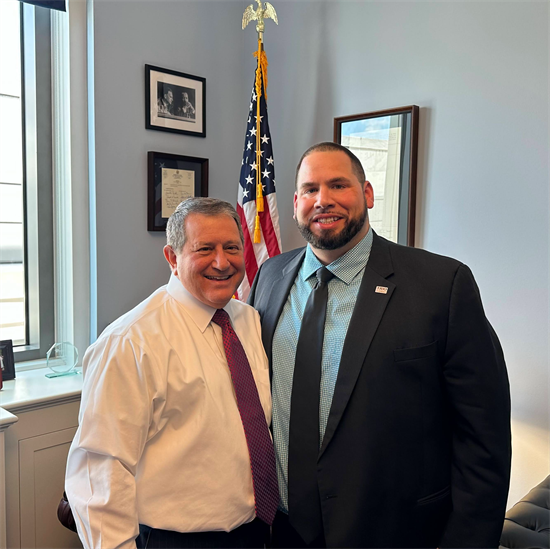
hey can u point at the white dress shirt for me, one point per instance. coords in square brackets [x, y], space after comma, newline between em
[160, 439]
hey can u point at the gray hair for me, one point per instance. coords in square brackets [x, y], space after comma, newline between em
[329, 146]
[175, 229]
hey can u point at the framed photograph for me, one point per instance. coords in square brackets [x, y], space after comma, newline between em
[6, 360]
[386, 143]
[175, 102]
[172, 178]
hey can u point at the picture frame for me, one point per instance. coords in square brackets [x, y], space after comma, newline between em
[7, 363]
[175, 101]
[386, 142]
[172, 178]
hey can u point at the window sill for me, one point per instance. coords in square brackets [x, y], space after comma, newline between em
[32, 390]
[29, 365]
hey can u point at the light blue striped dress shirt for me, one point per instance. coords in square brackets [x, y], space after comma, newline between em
[342, 294]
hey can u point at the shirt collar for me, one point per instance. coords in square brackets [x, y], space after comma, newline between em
[200, 313]
[346, 267]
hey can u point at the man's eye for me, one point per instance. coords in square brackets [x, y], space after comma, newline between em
[309, 191]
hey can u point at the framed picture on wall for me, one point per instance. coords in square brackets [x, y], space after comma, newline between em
[386, 143]
[7, 363]
[172, 178]
[175, 101]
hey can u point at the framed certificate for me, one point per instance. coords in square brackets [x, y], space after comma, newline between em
[171, 179]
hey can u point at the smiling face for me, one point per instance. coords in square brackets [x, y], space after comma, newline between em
[330, 204]
[211, 263]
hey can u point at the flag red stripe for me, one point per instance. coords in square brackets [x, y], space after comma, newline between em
[269, 233]
[249, 256]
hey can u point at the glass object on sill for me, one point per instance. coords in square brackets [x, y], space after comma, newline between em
[62, 359]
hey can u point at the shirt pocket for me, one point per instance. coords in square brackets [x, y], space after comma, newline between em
[415, 353]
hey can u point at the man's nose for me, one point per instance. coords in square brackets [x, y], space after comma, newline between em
[220, 261]
[324, 198]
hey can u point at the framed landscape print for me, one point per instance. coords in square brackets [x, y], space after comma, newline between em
[386, 143]
[175, 101]
[172, 178]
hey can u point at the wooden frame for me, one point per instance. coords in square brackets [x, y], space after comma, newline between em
[398, 128]
[172, 178]
[175, 101]
[6, 360]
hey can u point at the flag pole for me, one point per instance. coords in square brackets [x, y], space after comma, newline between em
[259, 14]
[256, 195]
[259, 190]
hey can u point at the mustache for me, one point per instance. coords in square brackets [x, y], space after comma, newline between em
[327, 211]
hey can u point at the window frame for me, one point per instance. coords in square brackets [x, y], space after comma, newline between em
[37, 183]
[64, 269]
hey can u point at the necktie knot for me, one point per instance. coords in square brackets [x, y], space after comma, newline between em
[221, 318]
[324, 275]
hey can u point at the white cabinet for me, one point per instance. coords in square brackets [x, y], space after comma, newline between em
[35, 455]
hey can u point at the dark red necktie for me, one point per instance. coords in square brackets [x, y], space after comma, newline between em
[258, 439]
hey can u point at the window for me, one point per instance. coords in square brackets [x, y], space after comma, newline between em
[26, 233]
[12, 271]
[46, 183]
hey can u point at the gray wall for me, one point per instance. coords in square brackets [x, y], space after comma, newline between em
[479, 72]
[198, 38]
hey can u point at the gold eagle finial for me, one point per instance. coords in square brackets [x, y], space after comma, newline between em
[259, 14]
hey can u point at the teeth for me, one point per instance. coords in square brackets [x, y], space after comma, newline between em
[327, 220]
[218, 277]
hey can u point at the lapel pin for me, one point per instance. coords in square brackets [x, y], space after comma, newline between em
[381, 290]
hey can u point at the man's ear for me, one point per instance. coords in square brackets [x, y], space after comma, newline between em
[172, 259]
[295, 200]
[369, 195]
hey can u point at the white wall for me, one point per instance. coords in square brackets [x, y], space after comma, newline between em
[479, 72]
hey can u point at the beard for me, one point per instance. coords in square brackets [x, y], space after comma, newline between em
[334, 241]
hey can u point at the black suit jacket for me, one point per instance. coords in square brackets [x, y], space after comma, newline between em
[417, 447]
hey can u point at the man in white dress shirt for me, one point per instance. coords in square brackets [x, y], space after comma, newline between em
[161, 451]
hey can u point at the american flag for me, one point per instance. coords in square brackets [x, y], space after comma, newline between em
[270, 245]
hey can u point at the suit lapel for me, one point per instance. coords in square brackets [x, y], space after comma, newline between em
[277, 298]
[367, 314]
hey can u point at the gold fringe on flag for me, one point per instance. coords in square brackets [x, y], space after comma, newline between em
[262, 65]
[257, 230]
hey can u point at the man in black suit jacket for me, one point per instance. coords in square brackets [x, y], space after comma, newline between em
[415, 449]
